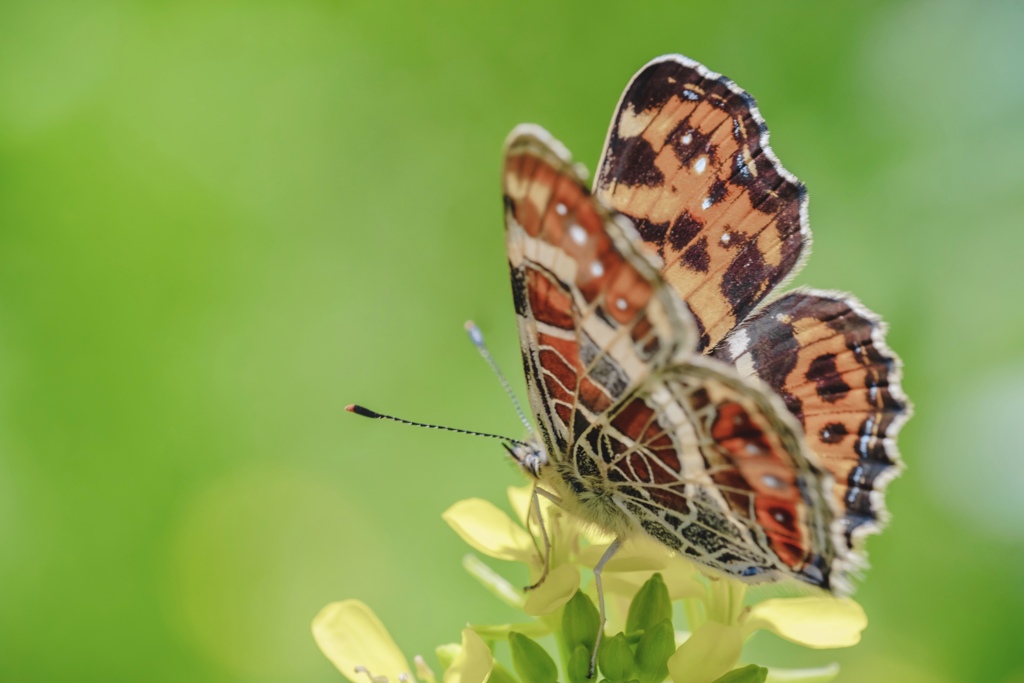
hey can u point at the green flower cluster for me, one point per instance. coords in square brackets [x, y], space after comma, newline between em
[643, 653]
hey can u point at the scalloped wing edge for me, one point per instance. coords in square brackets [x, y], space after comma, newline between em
[755, 112]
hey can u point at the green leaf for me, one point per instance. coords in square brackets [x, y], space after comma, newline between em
[650, 606]
[500, 674]
[534, 629]
[579, 665]
[580, 622]
[615, 659]
[531, 661]
[652, 652]
[751, 673]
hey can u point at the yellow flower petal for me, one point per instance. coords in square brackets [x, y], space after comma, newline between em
[423, 671]
[447, 653]
[819, 675]
[680, 578]
[711, 650]
[634, 555]
[520, 498]
[351, 635]
[474, 662]
[482, 525]
[818, 622]
[725, 599]
[556, 590]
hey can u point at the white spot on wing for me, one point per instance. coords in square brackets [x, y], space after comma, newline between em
[687, 139]
[739, 343]
[706, 203]
[865, 441]
[578, 234]
[560, 209]
[741, 167]
[701, 164]
[726, 238]
[621, 304]
[596, 269]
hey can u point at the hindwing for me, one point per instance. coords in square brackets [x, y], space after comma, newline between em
[826, 356]
[715, 467]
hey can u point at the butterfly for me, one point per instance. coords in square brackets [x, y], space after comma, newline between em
[676, 393]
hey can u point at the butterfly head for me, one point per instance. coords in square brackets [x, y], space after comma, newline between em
[529, 455]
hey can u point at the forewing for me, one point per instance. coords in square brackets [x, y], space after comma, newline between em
[826, 356]
[715, 467]
[594, 317]
[687, 160]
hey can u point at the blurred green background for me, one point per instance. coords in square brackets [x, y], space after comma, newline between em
[221, 221]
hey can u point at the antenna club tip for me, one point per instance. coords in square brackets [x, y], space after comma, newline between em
[359, 410]
[474, 332]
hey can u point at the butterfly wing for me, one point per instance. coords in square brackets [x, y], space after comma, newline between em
[826, 356]
[592, 317]
[716, 468]
[687, 160]
[643, 432]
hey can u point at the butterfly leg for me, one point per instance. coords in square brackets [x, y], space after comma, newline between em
[535, 504]
[550, 496]
[612, 549]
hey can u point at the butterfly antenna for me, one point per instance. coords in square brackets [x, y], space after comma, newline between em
[366, 412]
[477, 337]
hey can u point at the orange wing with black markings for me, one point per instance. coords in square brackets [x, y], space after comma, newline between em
[687, 160]
[642, 432]
[715, 467]
[593, 315]
[825, 355]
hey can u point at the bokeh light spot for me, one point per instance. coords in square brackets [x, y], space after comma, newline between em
[254, 558]
[973, 465]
